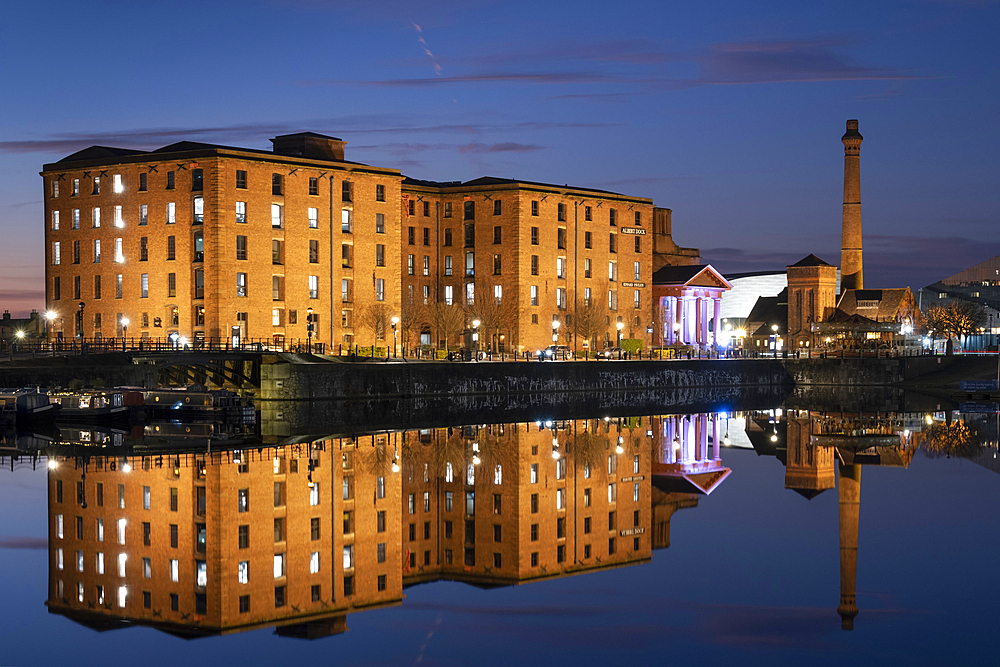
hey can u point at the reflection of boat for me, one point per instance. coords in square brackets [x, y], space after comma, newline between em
[90, 435]
[31, 406]
[95, 405]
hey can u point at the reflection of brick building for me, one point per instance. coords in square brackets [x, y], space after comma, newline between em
[521, 514]
[202, 544]
[299, 536]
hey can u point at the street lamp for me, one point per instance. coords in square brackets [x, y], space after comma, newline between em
[475, 338]
[309, 328]
[124, 331]
[79, 324]
[774, 339]
[49, 317]
[395, 322]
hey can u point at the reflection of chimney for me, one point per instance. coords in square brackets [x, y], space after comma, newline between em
[850, 510]
[850, 249]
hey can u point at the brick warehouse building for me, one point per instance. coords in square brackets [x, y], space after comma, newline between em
[231, 244]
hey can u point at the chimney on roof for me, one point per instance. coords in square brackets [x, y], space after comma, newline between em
[309, 145]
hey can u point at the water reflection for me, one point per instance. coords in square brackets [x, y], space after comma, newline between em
[298, 536]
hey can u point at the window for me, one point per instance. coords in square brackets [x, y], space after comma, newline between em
[119, 256]
[144, 286]
[346, 219]
[55, 188]
[612, 493]
[348, 556]
[118, 286]
[470, 293]
[276, 184]
[636, 302]
[347, 191]
[470, 264]
[243, 500]
[119, 221]
[427, 265]
[241, 246]
[171, 248]
[380, 289]
[76, 253]
[469, 210]
[314, 562]
[587, 213]
[197, 180]
[313, 251]
[314, 494]
[97, 185]
[76, 288]
[427, 232]
[96, 217]
[612, 246]
[534, 503]
[55, 253]
[560, 499]
[613, 217]
[638, 221]
[380, 195]
[279, 596]
[410, 264]
[241, 179]
[55, 220]
[447, 212]
[76, 187]
[241, 212]
[447, 265]
[171, 213]
[380, 255]
[449, 297]
[171, 284]
[380, 223]
[277, 215]
[170, 180]
[279, 566]
[241, 284]
[534, 295]
[122, 558]
[561, 298]
[244, 537]
[560, 267]
[313, 185]
[496, 265]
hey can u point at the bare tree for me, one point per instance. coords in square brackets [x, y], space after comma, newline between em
[376, 318]
[494, 313]
[447, 320]
[959, 318]
[591, 319]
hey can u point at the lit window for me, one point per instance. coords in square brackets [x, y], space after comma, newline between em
[314, 287]
[56, 253]
[279, 565]
[122, 595]
[96, 217]
[241, 212]
[121, 564]
[100, 562]
[348, 556]
[314, 494]
[121, 531]
[201, 570]
[276, 215]
[174, 571]
[314, 562]
[449, 473]
[118, 187]
[119, 256]
[534, 473]
[313, 218]
[171, 213]
[119, 221]
[55, 220]
[243, 574]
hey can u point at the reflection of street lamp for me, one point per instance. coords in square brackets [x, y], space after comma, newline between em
[620, 325]
[555, 331]
[124, 331]
[395, 322]
[309, 328]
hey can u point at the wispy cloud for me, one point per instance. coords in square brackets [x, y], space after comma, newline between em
[427, 50]
[784, 62]
[483, 77]
[24, 543]
[505, 147]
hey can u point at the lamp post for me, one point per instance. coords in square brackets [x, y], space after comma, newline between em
[774, 339]
[49, 317]
[124, 331]
[309, 329]
[79, 324]
[620, 326]
[475, 338]
[555, 331]
[18, 336]
[395, 333]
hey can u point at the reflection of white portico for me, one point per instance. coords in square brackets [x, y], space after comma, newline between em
[682, 459]
[688, 297]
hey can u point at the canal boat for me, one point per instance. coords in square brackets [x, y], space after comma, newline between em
[31, 406]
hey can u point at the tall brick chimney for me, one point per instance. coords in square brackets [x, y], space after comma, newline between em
[851, 265]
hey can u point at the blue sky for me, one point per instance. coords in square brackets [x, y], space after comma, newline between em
[729, 113]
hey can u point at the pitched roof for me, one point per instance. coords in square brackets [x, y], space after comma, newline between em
[100, 153]
[691, 274]
[810, 260]
[888, 302]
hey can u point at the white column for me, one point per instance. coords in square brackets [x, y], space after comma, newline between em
[703, 440]
[703, 317]
[717, 307]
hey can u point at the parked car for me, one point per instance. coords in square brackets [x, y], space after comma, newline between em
[554, 353]
[612, 353]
